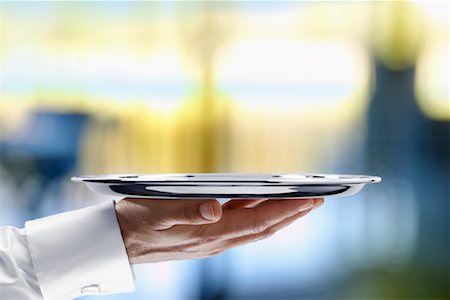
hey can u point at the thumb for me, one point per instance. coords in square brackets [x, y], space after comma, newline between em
[191, 212]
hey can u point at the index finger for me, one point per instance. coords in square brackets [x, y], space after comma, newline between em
[245, 221]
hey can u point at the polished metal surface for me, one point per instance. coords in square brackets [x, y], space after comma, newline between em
[227, 185]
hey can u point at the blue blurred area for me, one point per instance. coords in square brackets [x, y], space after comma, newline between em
[44, 150]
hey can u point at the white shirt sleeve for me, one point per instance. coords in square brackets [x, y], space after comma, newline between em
[65, 256]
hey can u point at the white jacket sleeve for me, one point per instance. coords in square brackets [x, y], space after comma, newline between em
[65, 256]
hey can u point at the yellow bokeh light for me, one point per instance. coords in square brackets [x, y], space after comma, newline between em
[431, 82]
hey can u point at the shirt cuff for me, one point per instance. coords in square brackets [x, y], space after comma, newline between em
[79, 252]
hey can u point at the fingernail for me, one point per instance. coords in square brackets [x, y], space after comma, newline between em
[306, 205]
[207, 211]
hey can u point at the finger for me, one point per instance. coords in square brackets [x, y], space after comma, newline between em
[266, 233]
[163, 214]
[242, 203]
[222, 245]
[245, 221]
[249, 203]
[318, 202]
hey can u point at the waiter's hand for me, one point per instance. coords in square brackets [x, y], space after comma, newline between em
[161, 230]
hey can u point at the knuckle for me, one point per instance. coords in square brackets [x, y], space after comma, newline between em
[259, 224]
[268, 233]
[258, 227]
[254, 230]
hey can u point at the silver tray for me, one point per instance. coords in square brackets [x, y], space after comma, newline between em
[226, 185]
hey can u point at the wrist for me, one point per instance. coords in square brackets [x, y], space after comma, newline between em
[124, 230]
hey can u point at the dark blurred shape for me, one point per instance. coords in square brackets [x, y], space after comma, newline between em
[46, 148]
[404, 145]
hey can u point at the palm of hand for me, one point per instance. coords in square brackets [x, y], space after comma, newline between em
[161, 230]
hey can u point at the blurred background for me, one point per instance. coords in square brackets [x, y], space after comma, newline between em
[160, 87]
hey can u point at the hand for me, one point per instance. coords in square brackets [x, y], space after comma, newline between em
[160, 230]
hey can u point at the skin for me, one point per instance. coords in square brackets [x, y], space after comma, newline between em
[162, 230]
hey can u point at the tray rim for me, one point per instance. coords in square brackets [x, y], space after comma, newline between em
[278, 178]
